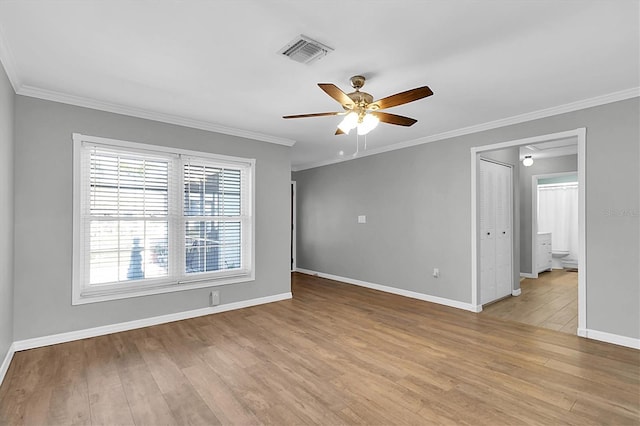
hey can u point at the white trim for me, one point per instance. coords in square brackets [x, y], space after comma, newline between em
[527, 275]
[603, 336]
[534, 226]
[79, 138]
[294, 226]
[50, 95]
[35, 92]
[580, 134]
[517, 292]
[582, 227]
[394, 290]
[475, 220]
[86, 297]
[535, 115]
[53, 339]
[4, 367]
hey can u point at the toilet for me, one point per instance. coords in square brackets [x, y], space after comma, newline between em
[557, 257]
[570, 264]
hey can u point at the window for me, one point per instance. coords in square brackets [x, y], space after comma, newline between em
[150, 220]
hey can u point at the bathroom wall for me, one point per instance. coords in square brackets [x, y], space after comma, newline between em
[559, 179]
[566, 163]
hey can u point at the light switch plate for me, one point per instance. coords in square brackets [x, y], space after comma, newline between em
[362, 219]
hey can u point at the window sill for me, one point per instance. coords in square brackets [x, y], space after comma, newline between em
[94, 296]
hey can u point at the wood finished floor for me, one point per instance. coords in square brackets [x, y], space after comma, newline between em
[551, 301]
[335, 354]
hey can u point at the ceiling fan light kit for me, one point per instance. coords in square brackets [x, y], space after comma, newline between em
[348, 122]
[369, 122]
[362, 112]
[364, 123]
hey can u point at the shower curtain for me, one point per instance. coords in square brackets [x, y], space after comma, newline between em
[558, 214]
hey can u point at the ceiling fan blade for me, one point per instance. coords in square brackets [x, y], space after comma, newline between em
[395, 119]
[339, 132]
[403, 97]
[337, 94]
[317, 114]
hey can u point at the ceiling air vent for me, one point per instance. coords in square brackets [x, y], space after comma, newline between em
[304, 50]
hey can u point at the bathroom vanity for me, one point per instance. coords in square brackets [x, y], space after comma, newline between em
[543, 252]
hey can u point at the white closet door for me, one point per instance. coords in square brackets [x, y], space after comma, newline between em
[503, 232]
[495, 231]
[487, 232]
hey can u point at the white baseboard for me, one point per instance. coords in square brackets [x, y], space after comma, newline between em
[37, 342]
[394, 290]
[516, 292]
[6, 362]
[616, 339]
[528, 275]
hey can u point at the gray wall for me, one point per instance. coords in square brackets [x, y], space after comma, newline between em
[566, 163]
[6, 213]
[417, 202]
[43, 217]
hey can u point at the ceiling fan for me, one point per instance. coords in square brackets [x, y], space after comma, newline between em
[362, 112]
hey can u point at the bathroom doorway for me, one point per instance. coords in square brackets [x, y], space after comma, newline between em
[554, 212]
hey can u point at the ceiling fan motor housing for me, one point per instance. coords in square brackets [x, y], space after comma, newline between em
[357, 81]
[360, 99]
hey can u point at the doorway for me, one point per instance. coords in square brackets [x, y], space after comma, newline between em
[580, 136]
[559, 210]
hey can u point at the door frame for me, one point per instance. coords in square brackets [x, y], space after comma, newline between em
[534, 213]
[581, 135]
[294, 226]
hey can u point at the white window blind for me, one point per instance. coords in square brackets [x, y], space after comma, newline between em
[158, 219]
[128, 215]
[213, 217]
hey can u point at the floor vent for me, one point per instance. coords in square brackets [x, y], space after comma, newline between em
[305, 50]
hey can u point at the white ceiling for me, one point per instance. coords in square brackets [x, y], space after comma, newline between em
[555, 148]
[214, 64]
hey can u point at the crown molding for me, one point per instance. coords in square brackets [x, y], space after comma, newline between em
[80, 101]
[516, 119]
[8, 62]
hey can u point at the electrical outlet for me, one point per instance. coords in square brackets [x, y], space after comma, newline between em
[214, 298]
[436, 272]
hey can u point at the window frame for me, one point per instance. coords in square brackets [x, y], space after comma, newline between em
[83, 293]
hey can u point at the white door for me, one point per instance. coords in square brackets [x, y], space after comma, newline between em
[487, 233]
[504, 245]
[495, 231]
